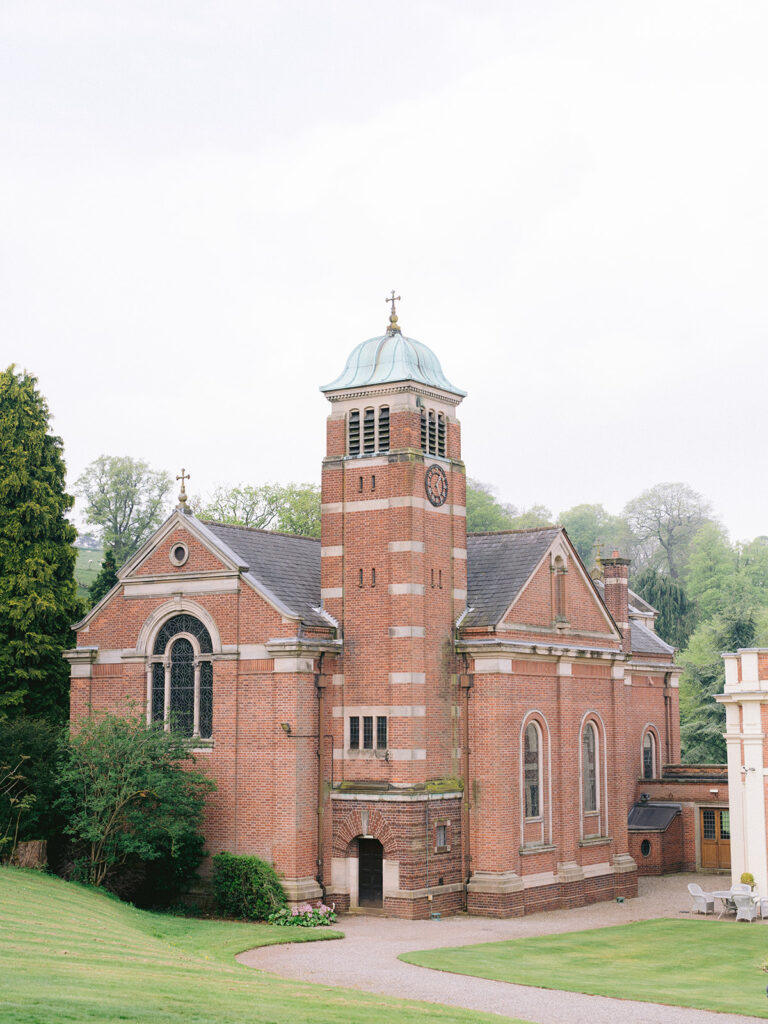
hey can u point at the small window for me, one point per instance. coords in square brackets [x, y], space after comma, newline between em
[381, 733]
[532, 771]
[373, 481]
[433, 577]
[178, 554]
[373, 577]
[441, 837]
[432, 433]
[589, 768]
[649, 756]
[441, 434]
[645, 848]
[360, 484]
[353, 442]
[354, 732]
[440, 579]
[384, 428]
[368, 732]
[369, 431]
[360, 583]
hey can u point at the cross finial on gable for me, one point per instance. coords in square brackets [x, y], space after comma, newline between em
[393, 327]
[184, 476]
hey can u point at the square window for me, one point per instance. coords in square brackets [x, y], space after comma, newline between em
[354, 732]
[368, 732]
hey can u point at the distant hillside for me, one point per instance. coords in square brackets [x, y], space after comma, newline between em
[87, 568]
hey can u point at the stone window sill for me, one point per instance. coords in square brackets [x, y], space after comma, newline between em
[596, 841]
[525, 851]
[202, 746]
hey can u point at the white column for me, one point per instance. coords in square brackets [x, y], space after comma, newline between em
[736, 800]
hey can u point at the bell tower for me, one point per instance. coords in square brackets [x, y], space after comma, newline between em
[393, 558]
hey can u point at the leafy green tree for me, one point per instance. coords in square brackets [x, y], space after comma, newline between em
[28, 762]
[126, 499]
[290, 508]
[530, 518]
[702, 719]
[677, 613]
[589, 524]
[38, 593]
[106, 579]
[485, 513]
[665, 519]
[714, 579]
[126, 793]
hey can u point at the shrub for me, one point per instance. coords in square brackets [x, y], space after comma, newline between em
[747, 878]
[305, 916]
[127, 799]
[28, 781]
[246, 887]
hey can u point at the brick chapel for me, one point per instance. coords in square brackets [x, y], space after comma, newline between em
[399, 715]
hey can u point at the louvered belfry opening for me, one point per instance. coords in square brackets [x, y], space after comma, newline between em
[424, 430]
[441, 434]
[432, 433]
[369, 431]
[384, 428]
[353, 443]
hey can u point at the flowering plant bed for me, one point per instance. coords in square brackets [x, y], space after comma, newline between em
[304, 916]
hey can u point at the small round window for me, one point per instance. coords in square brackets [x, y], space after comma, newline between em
[178, 554]
[645, 847]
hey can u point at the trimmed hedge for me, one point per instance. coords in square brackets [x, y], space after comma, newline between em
[246, 887]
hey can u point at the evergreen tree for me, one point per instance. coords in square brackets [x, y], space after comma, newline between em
[106, 578]
[677, 613]
[38, 594]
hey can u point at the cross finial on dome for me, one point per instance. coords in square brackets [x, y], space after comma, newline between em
[182, 493]
[393, 326]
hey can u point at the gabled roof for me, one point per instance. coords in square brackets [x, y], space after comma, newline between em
[498, 567]
[282, 564]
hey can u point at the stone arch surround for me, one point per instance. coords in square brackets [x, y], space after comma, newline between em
[351, 826]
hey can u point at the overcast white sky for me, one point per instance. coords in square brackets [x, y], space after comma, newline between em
[203, 206]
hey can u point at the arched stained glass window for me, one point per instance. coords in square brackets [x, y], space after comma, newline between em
[181, 678]
[589, 767]
[532, 771]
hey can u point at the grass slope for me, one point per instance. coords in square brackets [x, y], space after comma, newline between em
[70, 954]
[710, 965]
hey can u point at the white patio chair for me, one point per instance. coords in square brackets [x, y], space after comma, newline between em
[703, 902]
[763, 907]
[742, 887]
[745, 907]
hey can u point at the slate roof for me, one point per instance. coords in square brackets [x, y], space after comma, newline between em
[652, 817]
[282, 564]
[645, 641]
[498, 566]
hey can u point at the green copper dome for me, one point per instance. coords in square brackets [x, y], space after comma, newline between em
[392, 357]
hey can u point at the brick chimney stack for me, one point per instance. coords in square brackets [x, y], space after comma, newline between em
[616, 579]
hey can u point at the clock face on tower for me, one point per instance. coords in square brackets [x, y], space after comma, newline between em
[436, 485]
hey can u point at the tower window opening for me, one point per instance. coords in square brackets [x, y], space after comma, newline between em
[360, 583]
[353, 442]
[354, 732]
[360, 485]
[373, 577]
[441, 434]
[440, 579]
[368, 732]
[384, 428]
[433, 577]
[432, 433]
[369, 431]
[424, 430]
[373, 481]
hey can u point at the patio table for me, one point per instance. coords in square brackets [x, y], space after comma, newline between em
[726, 898]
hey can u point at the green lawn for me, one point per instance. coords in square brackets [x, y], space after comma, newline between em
[711, 965]
[70, 955]
[87, 568]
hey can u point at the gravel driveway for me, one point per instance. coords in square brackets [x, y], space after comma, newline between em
[367, 959]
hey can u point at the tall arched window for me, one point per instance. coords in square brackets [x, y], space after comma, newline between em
[589, 768]
[649, 755]
[532, 770]
[182, 677]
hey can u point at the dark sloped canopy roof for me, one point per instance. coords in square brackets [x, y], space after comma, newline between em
[286, 565]
[498, 566]
[651, 816]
